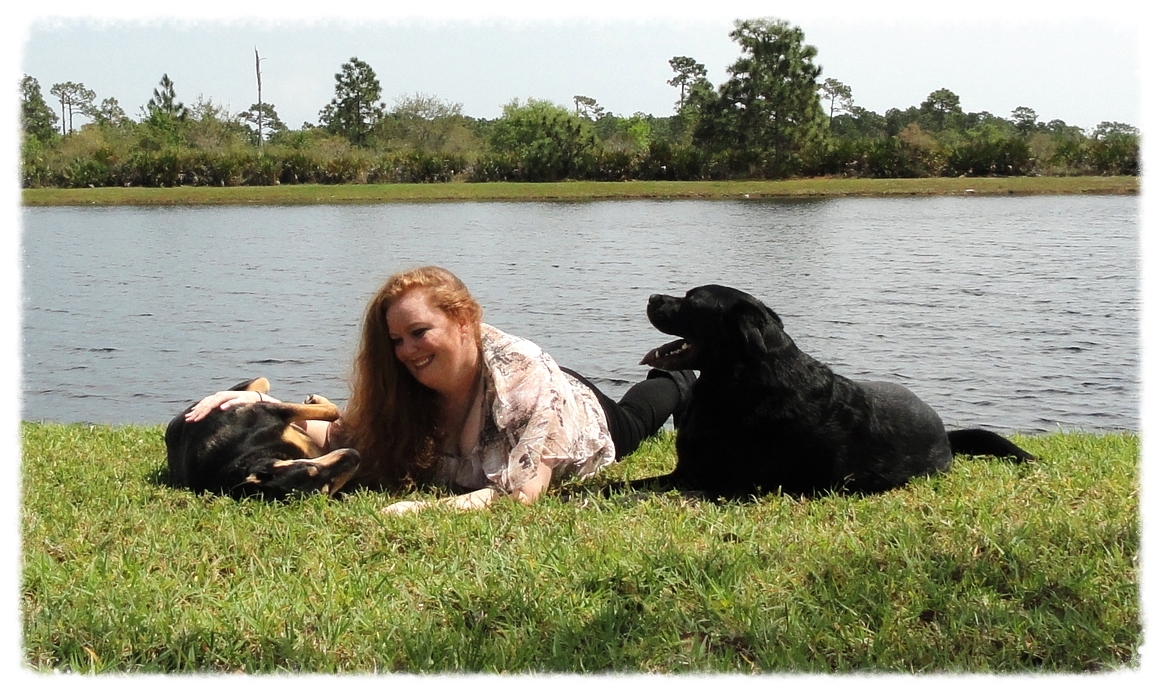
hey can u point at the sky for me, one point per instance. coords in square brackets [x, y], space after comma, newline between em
[1065, 63]
[1080, 62]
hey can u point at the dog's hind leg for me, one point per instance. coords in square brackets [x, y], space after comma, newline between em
[978, 442]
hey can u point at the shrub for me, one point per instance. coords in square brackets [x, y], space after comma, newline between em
[543, 141]
[666, 162]
[987, 156]
[1115, 155]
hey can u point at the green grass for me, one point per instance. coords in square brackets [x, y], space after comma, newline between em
[993, 567]
[313, 194]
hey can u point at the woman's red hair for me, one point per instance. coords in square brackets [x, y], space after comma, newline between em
[391, 419]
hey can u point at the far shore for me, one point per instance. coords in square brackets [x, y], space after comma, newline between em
[317, 194]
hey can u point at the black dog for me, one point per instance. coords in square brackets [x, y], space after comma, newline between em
[256, 450]
[765, 416]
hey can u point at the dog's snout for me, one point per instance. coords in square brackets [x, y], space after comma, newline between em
[656, 300]
[656, 304]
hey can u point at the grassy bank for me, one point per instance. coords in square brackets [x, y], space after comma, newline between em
[991, 568]
[577, 190]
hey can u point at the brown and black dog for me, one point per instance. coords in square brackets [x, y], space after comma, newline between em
[256, 450]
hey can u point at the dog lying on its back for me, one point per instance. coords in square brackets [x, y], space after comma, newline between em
[765, 416]
[256, 450]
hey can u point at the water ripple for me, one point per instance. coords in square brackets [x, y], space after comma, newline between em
[1019, 314]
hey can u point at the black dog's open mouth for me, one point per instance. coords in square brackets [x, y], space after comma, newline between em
[680, 354]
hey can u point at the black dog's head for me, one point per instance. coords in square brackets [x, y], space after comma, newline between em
[716, 324]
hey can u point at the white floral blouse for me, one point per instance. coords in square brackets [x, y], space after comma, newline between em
[533, 413]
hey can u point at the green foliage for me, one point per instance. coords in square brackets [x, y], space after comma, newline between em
[628, 135]
[895, 120]
[941, 111]
[588, 107]
[770, 119]
[537, 141]
[35, 164]
[36, 118]
[164, 118]
[1115, 149]
[837, 97]
[666, 162]
[939, 139]
[109, 113]
[1024, 119]
[164, 106]
[990, 568]
[356, 108]
[262, 121]
[416, 166]
[690, 77]
[989, 152]
[429, 127]
[211, 127]
[767, 114]
[74, 98]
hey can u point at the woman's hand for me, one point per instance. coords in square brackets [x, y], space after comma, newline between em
[224, 400]
[405, 507]
[481, 499]
[472, 500]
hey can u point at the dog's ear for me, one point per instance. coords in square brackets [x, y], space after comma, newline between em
[773, 317]
[751, 325]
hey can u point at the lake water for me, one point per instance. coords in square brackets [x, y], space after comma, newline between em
[1016, 313]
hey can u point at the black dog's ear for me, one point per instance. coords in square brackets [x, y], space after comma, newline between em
[750, 324]
[774, 317]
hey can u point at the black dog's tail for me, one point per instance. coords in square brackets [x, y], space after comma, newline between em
[977, 442]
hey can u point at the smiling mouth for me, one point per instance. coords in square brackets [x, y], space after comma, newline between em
[421, 363]
[680, 354]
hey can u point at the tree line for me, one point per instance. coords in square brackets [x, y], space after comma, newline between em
[771, 118]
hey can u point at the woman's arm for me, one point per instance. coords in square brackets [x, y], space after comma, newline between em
[478, 499]
[533, 489]
[225, 400]
[481, 499]
[317, 430]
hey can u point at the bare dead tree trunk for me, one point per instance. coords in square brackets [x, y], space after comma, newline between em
[258, 71]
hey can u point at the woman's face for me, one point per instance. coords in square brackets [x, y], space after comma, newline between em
[438, 351]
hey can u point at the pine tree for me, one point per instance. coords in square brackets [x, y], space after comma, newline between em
[74, 98]
[690, 73]
[36, 117]
[165, 101]
[768, 111]
[355, 109]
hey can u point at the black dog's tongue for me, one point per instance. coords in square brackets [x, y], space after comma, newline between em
[671, 356]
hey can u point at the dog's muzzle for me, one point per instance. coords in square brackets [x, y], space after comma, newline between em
[679, 354]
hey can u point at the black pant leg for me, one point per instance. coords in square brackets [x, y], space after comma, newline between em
[639, 414]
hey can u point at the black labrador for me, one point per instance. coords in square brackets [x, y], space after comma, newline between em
[764, 416]
[257, 450]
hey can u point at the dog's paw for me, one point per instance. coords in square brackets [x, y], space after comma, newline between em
[315, 399]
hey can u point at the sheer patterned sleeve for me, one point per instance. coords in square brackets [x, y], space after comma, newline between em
[539, 416]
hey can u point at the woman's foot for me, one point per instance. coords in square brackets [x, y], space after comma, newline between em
[684, 380]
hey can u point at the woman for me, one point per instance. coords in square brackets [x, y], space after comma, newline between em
[440, 397]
